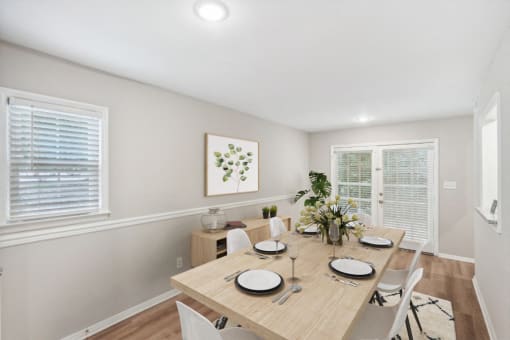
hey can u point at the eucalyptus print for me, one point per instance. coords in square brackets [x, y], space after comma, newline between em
[235, 164]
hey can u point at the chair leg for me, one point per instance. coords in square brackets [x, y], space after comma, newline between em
[372, 299]
[415, 313]
[408, 326]
[378, 298]
[221, 322]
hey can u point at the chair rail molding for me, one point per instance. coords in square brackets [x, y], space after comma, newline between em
[14, 237]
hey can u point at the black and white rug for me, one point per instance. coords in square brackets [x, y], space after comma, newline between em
[436, 317]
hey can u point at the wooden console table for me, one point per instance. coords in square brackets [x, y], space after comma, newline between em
[206, 247]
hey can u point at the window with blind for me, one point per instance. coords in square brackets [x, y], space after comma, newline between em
[408, 178]
[354, 178]
[55, 159]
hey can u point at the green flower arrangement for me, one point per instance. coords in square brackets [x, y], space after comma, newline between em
[327, 212]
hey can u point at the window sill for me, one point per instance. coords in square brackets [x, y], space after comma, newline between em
[489, 218]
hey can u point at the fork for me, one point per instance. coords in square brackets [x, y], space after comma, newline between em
[234, 275]
[260, 256]
[348, 283]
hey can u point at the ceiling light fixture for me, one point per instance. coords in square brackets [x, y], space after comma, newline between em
[211, 10]
[363, 119]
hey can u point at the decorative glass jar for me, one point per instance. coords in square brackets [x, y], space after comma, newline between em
[214, 220]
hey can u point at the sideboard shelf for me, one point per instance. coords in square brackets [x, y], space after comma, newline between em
[207, 247]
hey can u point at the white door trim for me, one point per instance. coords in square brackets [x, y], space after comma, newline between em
[373, 146]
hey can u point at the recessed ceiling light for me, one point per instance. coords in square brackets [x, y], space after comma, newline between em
[363, 119]
[211, 10]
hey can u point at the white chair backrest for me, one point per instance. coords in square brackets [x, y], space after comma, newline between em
[403, 307]
[365, 219]
[276, 226]
[237, 239]
[415, 259]
[195, 326]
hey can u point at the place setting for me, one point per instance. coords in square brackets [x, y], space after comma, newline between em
[375, 241]
[271, 247]
[261, 282]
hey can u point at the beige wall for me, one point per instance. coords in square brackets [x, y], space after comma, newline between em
[54, 288]
[455, 164]
[492, 250]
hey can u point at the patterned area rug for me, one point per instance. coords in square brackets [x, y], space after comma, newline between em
[436, 317]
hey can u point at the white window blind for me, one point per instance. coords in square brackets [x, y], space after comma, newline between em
[54, 160]
[408, 176]
[354, 178]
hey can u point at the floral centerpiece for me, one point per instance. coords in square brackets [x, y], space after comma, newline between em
[322, 211]
[330, 213]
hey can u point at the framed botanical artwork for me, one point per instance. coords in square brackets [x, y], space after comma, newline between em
[231, 165]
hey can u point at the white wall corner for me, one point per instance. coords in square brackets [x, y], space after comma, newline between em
[485, 311]
[112, 320]
[456, 257]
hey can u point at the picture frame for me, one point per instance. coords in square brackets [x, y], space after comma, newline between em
[231, 165]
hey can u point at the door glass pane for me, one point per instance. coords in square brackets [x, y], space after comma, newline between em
[408, 191]
[354, 178]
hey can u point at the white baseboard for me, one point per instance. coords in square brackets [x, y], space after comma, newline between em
[456, 258]
[112, 320]
[485, 312]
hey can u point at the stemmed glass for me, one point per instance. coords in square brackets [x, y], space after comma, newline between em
[293, 252]
[334, 236]
[277, 239]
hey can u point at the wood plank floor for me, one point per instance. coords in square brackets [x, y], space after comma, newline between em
[445, 279]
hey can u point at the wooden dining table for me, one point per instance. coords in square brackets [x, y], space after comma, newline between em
[324, 309]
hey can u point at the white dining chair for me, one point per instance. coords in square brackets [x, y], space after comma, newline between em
[394, 280]
[237, 239]
[365, 219]
[194, 326]
[384, 323]
[276, 226]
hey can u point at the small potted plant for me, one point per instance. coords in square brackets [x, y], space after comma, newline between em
[273, 210]
[265, 212]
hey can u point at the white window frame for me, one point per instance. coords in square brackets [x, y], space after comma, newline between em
[495, 221]
[377, 175]
[63, 219]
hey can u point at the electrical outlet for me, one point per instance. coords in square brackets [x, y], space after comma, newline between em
[179, 262]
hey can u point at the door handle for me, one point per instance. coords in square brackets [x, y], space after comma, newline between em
[381, 201]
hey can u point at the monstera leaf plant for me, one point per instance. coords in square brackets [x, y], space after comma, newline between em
[235, 164]
[319, 191]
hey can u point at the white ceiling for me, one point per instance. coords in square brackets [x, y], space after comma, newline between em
[313, 65]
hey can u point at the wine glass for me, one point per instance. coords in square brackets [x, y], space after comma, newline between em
[334, 235]
[277, 239]
[293, 252]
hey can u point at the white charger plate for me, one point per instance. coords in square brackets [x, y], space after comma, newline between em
[376, 241]
[313, 229]
[270, 246]
[351, 267]
[259, 281]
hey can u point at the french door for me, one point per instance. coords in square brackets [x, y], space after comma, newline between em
[395, 185]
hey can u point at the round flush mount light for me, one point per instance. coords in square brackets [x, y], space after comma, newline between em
[211, 10]
[363, 119]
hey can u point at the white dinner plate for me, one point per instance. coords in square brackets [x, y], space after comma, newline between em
[270, 246]
[259, 280]
[376, 241]
[313, 229]
[351, 267]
